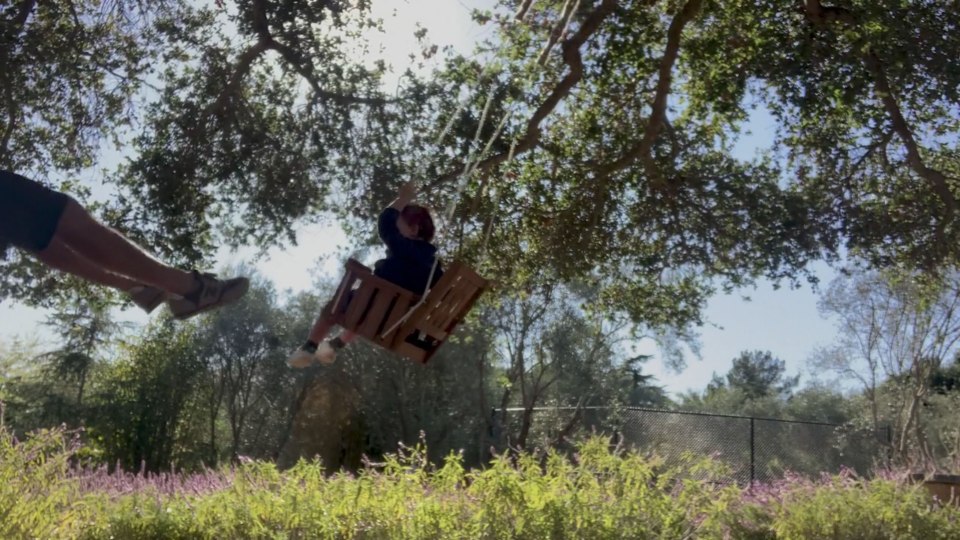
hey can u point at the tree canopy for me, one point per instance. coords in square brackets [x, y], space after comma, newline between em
[246, 119]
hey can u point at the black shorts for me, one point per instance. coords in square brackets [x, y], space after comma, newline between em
[29, 212]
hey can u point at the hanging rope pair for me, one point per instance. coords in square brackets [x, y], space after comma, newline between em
[395, 318]
[474, 158]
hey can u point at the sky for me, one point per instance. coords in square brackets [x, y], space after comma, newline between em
[784, 322]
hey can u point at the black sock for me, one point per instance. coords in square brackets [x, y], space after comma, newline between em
[309, 346]
[336, 343]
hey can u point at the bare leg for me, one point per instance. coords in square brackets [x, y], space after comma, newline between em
[307, 354]
[320, 329]
[58, 255]
[107, 249]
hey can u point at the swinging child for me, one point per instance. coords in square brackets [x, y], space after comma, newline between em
[407, 230]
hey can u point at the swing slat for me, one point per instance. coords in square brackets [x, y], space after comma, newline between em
[369, 306]
[358, 305]
[374, 300]
[382, 302]
[459, 285]
[399, 310]
[352, 275]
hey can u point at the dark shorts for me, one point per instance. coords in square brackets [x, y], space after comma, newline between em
[29, 212]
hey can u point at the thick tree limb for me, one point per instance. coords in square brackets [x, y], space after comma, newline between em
[658, 108]
[569, 7]
[265, 42]
[26, 8]
[524, 7]
[242, 68]
[936, 179]
[11, 32]
[821, 15]
[11, 125]
[574, 62]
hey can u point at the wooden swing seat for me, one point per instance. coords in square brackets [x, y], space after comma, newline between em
[370, 306]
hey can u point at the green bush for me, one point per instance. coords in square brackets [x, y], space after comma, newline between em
[597, 495]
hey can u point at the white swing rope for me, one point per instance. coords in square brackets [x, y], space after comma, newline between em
[474, 159]
[569, 7]
[443, 133]
[496, 205]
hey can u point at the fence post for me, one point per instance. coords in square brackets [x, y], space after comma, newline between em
[752, 453]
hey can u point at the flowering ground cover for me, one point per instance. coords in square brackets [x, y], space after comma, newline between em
[598, 493]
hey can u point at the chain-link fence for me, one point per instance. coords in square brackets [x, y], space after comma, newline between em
[753, 449]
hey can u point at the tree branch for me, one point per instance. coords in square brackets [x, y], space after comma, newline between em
[265, 42]
[658, 108]
[821, 15]
[574, 61]
[11, 32]
[524, 7]
[870, 150]
[568, 429]
[26, 7]
[569, 7]
[305, 71]
[243, 66]
[11, 123]
[92, 59]
[936, 179]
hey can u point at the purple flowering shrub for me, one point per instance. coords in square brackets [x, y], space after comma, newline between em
[598, 493]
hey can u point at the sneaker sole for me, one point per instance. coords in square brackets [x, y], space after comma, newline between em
[300, 362]
[327, 360]
[227, 298]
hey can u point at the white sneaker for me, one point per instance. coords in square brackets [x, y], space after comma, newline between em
[301, 358]
[325, 353]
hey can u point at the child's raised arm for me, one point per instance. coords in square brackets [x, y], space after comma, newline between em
[406, 194]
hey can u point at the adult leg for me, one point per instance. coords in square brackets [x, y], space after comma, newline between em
[42, 221]
[192, 293]
[59, 256]
[113, 253]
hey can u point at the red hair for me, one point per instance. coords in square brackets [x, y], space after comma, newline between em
[419, 216]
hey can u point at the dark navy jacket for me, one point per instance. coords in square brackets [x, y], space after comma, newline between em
[408, 262]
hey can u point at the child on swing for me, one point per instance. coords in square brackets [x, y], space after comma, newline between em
[407, 230]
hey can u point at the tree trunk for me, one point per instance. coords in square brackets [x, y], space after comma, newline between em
[907, 424]
[525, 425]
[325, 425]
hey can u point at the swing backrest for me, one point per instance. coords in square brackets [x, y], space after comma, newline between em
[371, 306]
[446, 305]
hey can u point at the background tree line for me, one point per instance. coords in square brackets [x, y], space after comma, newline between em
[242, 121]
[186, 395]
